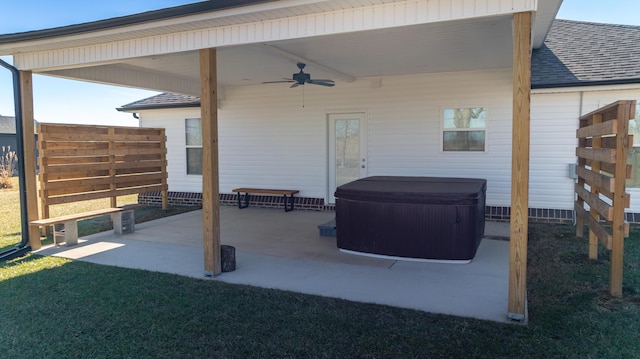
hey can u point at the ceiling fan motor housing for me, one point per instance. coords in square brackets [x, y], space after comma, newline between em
[301, 77]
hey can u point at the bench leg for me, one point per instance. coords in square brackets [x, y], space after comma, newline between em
[58, 233]
[246, 201]
[71, 233]
[116, 218]
[288, 205]
[123, 222]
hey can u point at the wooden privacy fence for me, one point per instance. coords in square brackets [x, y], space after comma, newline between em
[79, 162]
[602, 170]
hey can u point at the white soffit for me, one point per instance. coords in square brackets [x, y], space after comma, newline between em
[256, 24]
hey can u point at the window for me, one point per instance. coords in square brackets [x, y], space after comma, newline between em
[464, 129]
[193, 131]
[633, 155]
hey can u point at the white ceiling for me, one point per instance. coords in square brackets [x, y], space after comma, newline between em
[484, 43]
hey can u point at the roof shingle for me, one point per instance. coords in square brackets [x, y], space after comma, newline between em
[579, 53]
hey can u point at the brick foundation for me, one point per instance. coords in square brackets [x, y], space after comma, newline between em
[492, 213]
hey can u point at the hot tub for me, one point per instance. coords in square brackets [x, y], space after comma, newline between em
[421, 218]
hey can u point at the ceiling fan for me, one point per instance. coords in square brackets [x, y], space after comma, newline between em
[302, 78]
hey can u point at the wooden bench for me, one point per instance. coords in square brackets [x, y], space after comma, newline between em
[286, 193]
[66, 227]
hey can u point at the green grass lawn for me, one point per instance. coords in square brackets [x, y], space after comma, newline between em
[57, 308]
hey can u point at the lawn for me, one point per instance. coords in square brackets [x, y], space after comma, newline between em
[53, 307]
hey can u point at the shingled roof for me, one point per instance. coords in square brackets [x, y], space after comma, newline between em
[587, 54]
[163, 100]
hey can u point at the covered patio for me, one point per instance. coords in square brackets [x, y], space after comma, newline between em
[285, 251]
[211, 48]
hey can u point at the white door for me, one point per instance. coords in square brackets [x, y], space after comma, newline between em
[347, 149]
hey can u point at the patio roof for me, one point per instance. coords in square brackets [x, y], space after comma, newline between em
[262, 41]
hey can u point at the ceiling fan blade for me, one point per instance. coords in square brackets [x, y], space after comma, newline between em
[278, 82]
[321, 80]
[294, 85]
[321, 83]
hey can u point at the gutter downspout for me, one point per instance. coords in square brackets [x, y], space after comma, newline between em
[23, 247]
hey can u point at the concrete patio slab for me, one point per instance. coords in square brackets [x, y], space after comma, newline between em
[285, 251]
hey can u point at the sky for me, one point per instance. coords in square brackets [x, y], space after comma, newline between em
[65, 101]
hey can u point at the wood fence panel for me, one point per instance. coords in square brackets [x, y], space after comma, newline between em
[603, 142]
[79, 162]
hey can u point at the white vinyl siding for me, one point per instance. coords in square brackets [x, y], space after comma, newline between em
[173, 120]
[272, 136]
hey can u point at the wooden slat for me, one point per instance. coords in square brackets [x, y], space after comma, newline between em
[71, 136]
[76, 168]
[594, 227]
[62, 145]
[104, 194]
[145, 189]
[45, 177]
[85, 184]
[603, 209]
[146, 131]
[608, 142]
[598, 129]
[597, 179]
[67, 190]
[611, 168]
[595, 188]
[101, 152]
[597, 154]
[610, 108]
[51, 161]
[624, 113]
[88, 130]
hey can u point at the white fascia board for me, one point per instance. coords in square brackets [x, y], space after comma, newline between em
[351, 19]
[578, 89]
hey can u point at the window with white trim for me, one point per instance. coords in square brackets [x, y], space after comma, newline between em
[464, 129]
[193, 132]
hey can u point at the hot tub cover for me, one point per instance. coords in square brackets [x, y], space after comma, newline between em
[424, 190]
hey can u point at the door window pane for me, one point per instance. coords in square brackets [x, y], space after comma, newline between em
[347, 151]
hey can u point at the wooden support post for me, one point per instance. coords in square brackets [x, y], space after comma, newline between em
[165, 186]
[517, 309]
[113, 200]
[210, 178]
[596, 143]
[29, 160]
[580, 201]
[625, 112]
[44, 204]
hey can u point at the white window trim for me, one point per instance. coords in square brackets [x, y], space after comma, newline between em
[485, 129]
[187, 146]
